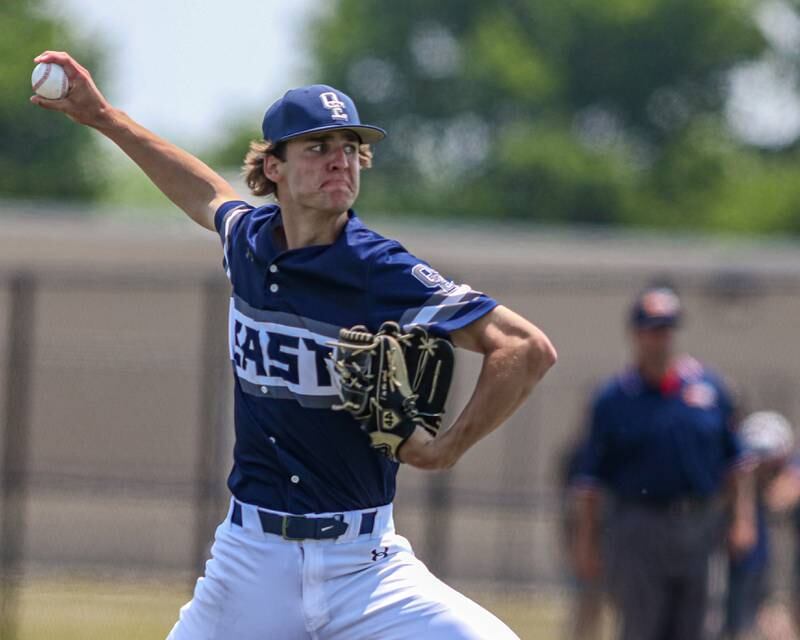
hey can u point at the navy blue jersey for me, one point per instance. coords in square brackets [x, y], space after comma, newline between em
[661, 443]
[293, 452]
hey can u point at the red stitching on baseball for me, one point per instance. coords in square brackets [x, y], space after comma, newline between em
[44, 77]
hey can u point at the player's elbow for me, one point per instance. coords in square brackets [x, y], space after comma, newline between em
[539, 354]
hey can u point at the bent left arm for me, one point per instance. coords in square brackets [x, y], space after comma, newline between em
[516, 355]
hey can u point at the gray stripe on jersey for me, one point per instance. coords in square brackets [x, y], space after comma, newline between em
[279, 392]
[285, 319]
[439, 308]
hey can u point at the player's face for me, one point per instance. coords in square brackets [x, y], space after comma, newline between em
[654, 347]
[321, 172]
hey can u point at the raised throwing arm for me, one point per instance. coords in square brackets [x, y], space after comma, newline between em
[188, 182]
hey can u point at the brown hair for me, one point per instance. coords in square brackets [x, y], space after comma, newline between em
[253, 167]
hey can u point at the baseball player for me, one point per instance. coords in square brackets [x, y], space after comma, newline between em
[308, 548]
[768, 437]
[661, 443]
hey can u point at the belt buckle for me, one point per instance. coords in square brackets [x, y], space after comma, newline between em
[285, 528]
[682, 507]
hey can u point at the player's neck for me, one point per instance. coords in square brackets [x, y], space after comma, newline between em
[653, 372]
[308, 227]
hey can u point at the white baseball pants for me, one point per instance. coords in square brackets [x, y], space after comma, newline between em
[259, 586]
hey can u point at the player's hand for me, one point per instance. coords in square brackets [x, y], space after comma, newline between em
[742, 536]
[587, 562]
[83, 103]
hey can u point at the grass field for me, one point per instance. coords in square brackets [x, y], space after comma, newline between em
[85, 609]
[88, 610]
[123, 609]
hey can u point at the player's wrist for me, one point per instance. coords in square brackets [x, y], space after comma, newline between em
[418, 450]
[111, 122]
[424, 451]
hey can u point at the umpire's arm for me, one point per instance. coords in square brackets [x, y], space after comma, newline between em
[516, 355]
[184, 179]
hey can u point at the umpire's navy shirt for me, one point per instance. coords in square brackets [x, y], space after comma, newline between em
[293, 452]
[661, 443]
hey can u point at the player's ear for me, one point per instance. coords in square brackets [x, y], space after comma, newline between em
[273, 168]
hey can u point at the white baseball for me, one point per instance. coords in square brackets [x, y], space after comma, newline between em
[50, 81]
[767, 434]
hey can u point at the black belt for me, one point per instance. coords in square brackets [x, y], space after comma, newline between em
[302, 527]
[684, 505]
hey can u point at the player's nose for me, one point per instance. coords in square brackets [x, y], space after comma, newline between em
[340, 158]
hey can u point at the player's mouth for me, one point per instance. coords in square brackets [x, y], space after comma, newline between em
[337, 184]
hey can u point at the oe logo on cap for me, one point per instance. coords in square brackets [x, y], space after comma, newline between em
[331, 102]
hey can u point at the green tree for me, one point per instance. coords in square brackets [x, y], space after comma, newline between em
[41, 156]
[580, 110]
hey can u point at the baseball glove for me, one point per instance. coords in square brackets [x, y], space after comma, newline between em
[392, 381]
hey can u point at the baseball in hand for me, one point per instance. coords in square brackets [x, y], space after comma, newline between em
[50, 81]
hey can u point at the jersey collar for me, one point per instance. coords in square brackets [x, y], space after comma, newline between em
[351, 225]
[684, 369]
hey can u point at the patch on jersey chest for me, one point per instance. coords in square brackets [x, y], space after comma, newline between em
[700, 395]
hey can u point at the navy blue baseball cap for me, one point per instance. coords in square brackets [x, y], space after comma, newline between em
[656, 307]
[316, 107]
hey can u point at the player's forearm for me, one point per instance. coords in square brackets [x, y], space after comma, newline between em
[743, 533]
[586, 544]
[744, 496]
[185, 180]
[508, 375]
[586, 516]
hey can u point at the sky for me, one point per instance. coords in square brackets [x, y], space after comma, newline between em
[764, 95]
[188, 68]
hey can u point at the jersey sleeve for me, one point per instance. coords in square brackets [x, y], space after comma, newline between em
[593, 464]
[735, 453]
[227, 221]
[403, 286]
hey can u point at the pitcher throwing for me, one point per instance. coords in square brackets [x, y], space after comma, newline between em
[308, 549]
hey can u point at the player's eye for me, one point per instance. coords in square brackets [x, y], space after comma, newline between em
[318, 148]
[351, 149]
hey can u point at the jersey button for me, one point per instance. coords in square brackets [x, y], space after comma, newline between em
[295, 479]
[273, 268]
[273, 288]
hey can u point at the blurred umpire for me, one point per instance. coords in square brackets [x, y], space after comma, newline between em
[661, 445]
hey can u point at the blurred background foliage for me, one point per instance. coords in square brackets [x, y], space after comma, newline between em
[614, 112]
[625, 112]
[41, 157]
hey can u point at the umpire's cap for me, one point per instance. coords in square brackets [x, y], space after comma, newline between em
[656, 307]
[314, 108]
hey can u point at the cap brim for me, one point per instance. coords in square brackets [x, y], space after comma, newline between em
[368, 133]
